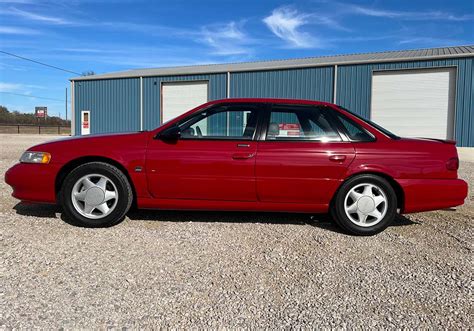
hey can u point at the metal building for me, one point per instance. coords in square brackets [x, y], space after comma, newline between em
[426, 92]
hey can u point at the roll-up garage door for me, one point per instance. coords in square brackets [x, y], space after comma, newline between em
[415, 103]
[179, 97]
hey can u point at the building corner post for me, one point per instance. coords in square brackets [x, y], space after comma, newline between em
[141, 103]
[73, 117]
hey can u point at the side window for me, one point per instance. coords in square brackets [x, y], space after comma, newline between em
[300, 123]
[223, 122]
[354, 130]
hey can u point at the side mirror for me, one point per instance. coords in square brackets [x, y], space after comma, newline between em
[172, 133]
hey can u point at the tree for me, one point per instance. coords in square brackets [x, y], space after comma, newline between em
[15, 117]
[88, 73]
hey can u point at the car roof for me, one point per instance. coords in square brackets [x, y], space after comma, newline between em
[270, 100]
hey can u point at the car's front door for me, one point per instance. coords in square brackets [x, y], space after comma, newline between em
[214, 158]
[301, 157]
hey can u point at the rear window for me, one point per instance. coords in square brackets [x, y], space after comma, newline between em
[298, 123]
[373, 124]
[353, 130]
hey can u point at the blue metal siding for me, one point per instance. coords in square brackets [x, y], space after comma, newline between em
[308, 83]
[354, 86]
[114, 104]
[152, 94]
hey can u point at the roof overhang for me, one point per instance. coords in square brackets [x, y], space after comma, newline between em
[325, 61]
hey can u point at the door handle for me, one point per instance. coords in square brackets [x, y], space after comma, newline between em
[337, 158]
[243, 156]
[243, 145]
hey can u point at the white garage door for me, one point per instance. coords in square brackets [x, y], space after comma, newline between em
[415, 103]
[178, 98]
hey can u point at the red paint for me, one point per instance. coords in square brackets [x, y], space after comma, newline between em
[251, 175]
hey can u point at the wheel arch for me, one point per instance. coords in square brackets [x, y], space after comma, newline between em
[395, 185]
[72, 164]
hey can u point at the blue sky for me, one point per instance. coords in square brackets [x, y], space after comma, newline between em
[104, 36]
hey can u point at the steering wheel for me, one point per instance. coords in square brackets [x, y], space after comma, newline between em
[198, 131]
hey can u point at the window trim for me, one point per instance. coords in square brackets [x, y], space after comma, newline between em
[266, 122]
[223, 138]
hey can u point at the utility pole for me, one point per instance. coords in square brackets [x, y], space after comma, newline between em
[66, 104]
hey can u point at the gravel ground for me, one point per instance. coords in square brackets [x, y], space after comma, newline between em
[184, 269]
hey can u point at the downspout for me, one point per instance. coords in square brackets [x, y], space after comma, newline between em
[228, 96]
[141, 103]
[73, 116]
[228, 85]
[334, 94]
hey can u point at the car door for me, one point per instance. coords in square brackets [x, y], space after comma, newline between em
[213, 159]
[301, 155]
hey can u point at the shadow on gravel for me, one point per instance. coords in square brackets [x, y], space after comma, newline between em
[37, 210]
[218, 216]
[323, 221]
[402, 220]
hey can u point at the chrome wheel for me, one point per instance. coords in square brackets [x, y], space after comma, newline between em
[94, 196]
[365, 204]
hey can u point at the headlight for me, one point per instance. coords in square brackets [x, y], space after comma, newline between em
[35, 157]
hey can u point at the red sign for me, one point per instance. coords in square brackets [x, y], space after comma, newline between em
[289, 129]
[41, 112]
[85, 121]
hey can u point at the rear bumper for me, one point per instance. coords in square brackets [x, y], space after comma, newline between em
[33, 182]
[432, 194]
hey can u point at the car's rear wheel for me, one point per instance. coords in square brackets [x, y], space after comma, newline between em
[365, 205]
[95, 194]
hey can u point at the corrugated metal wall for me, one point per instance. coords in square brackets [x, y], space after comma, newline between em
[152, 94]
[309, 83]
[114, 104]
[354, 86]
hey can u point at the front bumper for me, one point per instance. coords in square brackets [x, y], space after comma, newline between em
[33, 182]
[432, 194]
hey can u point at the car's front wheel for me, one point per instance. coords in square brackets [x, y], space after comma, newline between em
[95, 194]
[365, 205]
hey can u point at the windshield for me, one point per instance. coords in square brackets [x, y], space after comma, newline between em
[375, 125]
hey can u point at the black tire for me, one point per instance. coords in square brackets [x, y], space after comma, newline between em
[338, 210]
[124, 190]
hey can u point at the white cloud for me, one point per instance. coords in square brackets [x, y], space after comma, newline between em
[16, 30]
[16, 1]
[430, 41]
[15, 87]
[286, 22]
[35, 17]
[407, 15]
[9, 87]
[226, 39]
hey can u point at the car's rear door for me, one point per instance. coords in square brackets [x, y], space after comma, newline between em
[301, 156]
[214, 159]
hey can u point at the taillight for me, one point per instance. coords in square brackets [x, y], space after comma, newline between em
[452, 164]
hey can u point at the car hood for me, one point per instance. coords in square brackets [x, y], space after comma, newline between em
[96, 138]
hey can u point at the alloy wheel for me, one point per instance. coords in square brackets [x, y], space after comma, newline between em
[365, 204]
[94, 196]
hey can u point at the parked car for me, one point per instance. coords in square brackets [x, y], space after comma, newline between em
[250, 155]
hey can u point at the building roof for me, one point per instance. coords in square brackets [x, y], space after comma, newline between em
[391, 56]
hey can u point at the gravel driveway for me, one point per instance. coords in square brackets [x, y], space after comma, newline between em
[184, 269]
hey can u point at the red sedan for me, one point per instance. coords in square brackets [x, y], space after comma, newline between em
[246, 154]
